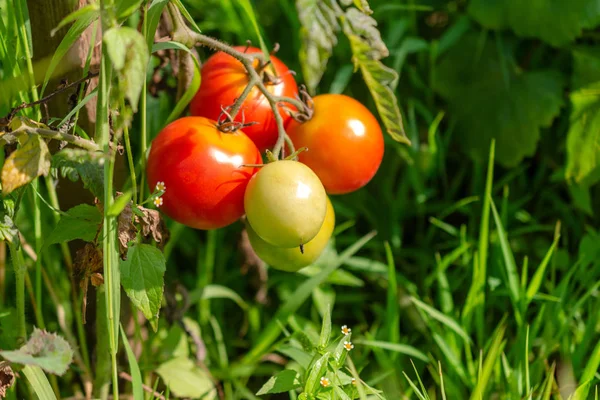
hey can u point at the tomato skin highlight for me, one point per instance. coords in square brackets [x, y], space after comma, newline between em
[285, 203]
[224, 79]
[344, 141]
[292, 259]
[200, 168]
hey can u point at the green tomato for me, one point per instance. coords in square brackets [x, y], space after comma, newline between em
[285, 203]
[292, 259]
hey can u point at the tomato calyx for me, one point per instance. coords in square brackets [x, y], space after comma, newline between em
[305, 112]
[226, 123]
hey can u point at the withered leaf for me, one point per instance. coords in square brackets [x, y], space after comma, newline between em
[88, 261]
[151, 223]
[26, 163]
[7, 379]
[126, 230]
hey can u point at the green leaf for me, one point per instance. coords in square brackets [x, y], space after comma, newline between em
[25, 164]
[39, 382]
[127, 7]
[142, 277]
[194, 85]
[153, 18]
[73, 34]
[397, 347]
[442, 318]
[325, 328]
[217, 292]
[557, 22]
[491, 99]
[81, 164]
[119, 204]
[46, 350]
[283, 381]
[317, 370]
[379, 79]
[91, 10]
[487, 368]
[583, 137]
[136, 376]
[319, 35]
[80, 222]
[128, 52]
[186, 15]
[185, 379]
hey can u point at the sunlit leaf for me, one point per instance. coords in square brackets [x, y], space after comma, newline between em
[46, 350]
[283, 381]
[80, 222]
[26, 163]
[142, 277]
[185, 379]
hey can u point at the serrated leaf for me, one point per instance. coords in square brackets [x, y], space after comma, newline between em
[185, 379]
[25, 164]
[283, 381]
[128, 52]
[490, 100]
[142, 277]
[537, 18]
[79, 222]
[379, 79]
[46, 350]
[81, 164]
[319, 36]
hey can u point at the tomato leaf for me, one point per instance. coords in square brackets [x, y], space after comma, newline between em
[46, 350]
[142, 277]
[80, 222]
[319, 35]
[538, 18]
[281, 382]
[81, 164]
[489, 99]
[379, 79]
[26, 163]
[185, 379]
[128, 53]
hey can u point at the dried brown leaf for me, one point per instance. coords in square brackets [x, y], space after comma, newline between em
[126, 230]
[26, 163]
[88, 261]
[7, 379]
[153, 225]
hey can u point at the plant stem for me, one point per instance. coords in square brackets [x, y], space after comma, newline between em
[37, 227]
[102, 135]
[16, 255]
[64, 137]
[144, 126]
[242, 97]
[131, 164]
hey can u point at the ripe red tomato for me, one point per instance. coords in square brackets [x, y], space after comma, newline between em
[344, 141]
[223, 80]
[199, 166]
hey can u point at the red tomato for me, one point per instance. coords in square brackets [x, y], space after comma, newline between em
[223, 80]
[199, 166]
[344, 141]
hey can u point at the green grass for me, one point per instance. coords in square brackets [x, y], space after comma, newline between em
[460, 277]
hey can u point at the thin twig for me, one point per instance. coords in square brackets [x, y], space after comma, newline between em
[65, 137]
[148, 389]
[45, 99]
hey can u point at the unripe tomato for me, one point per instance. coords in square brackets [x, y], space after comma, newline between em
[223, 80]
[285, 203]
[344, 141]
[292, 259]
[200, 168]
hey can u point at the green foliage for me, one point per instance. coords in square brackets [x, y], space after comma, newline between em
[80, 222]
[80, 164]
[185, 379]
[493, 99]
[142, 278]
[283, 381]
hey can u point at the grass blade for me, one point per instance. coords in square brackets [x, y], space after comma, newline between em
[392, 310]
[134, 368]
[39, 382]
[488, 365]
[442, 318]
[397, 347]
[273, 329]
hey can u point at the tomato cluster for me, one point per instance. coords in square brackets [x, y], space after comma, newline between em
[212, 176]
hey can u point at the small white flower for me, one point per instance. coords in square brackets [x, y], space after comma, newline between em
[348, 346]
[160, 187]
[353, 381]
[345, 330]
[158, 201]
[325, 382]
